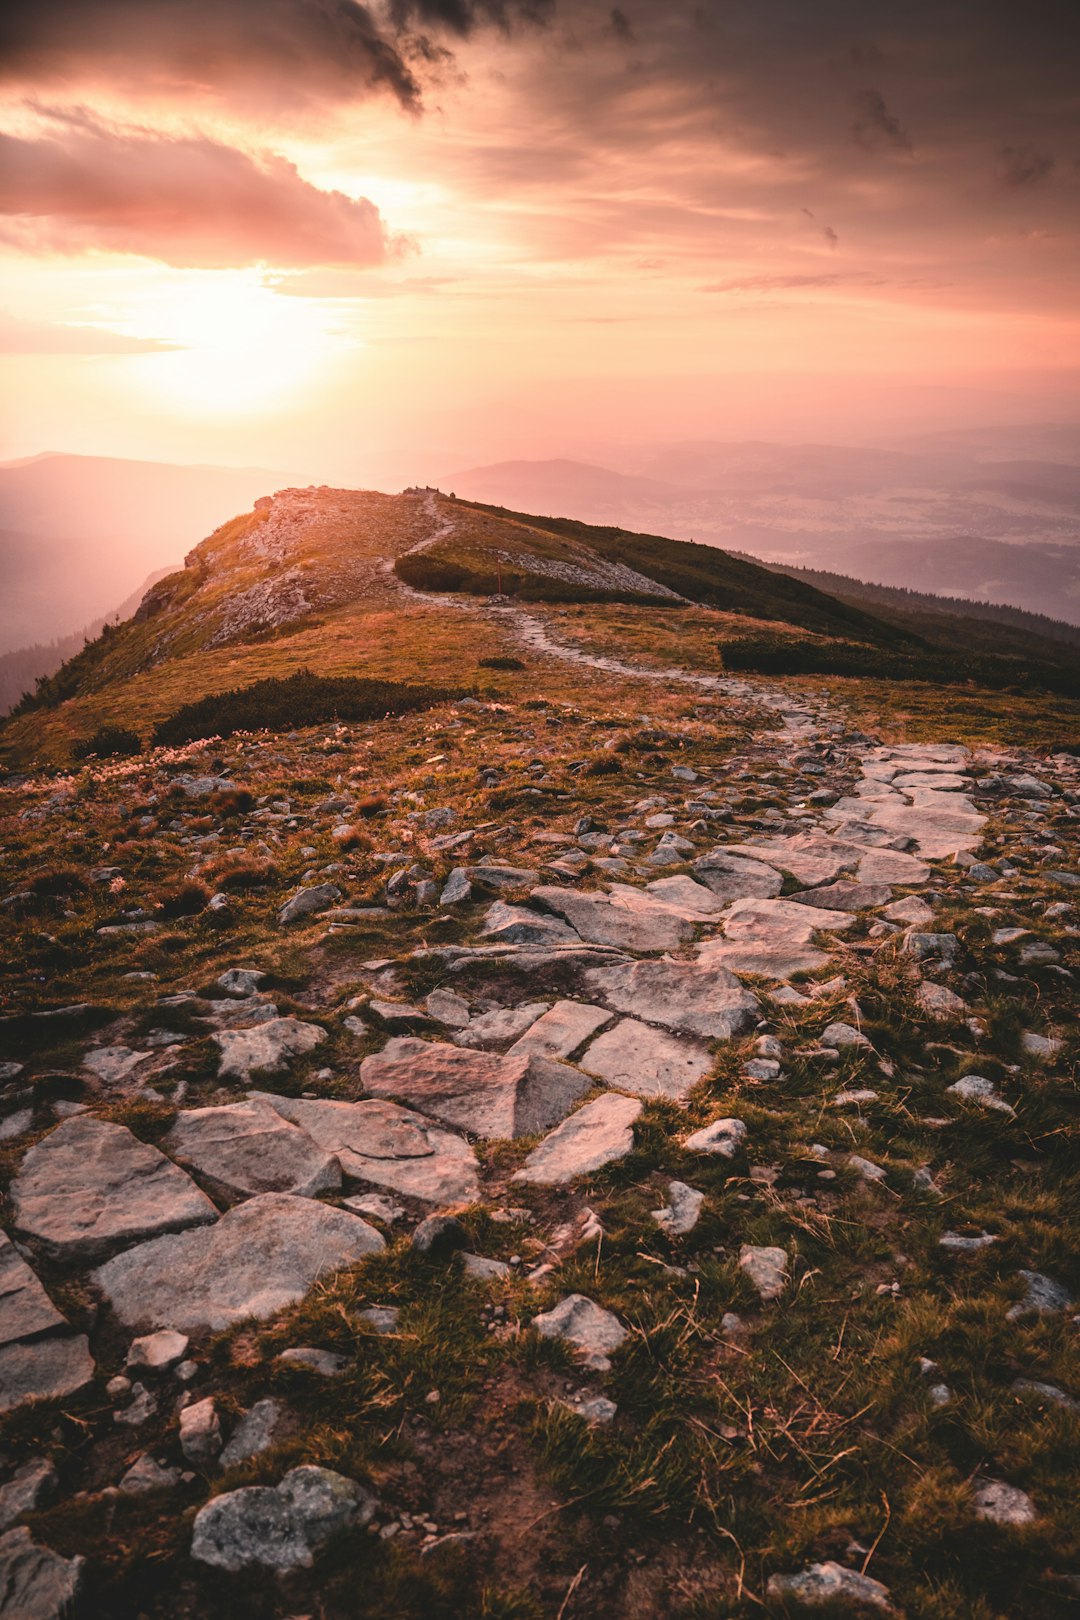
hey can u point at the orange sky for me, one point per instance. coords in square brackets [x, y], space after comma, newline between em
[367, 244]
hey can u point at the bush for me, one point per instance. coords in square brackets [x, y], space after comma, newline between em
[500, 662]
[241, 872]
[107, 743]
[793, 655]
[184, 899]
[298, 700]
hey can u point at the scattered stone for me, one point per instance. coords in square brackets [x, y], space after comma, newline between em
[481, 1268]
[865, 1169]
[265, 1049]
[940, 1002]
[448, 1008]
[309, 902]
[326, 1363]
[594, 1409]
[88, 1185]
[457, 889]
[595, 1135]
[501, 1025]
[253, 1434]
[157, 1352]
[492, 1097]
[260, 1257]
[380, 1318]
[767, 1269]
[240, 981]
[647, 1061]
[143, 1407]
[376, 1207]
[733, 877]
[909, 910]
[248, 1148]
[439, 1235]
[828, 1586]
[975, 1088]
[722, 1136]
[282, 1527]
[1045, 1392]
[843, 1035]
[682, 1211]
[114, 1064]
[518, 925]
[594, 1332]
[1043, 1048]
[961, 1244]
[146, 1474]
[29, 1487]
[1002, 1504]
[200, 1433]
[845, 896]
[1042, 1297]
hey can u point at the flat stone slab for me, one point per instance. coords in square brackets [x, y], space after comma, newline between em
[40, 1357]
[249, 1148]
[649, 1062]
[772, 938]
[25, 1307]
[733, 876]
[265, 1048]
[35, 1582]
[599, 1133]
[688, 997]
[625, 917]
[259, 1258]
[938, 824]
[685, 896]
[502, 1025]
[379, 1142]
[89, 1185]
[518, 925]
[845, 895]
[559, 1032]
[489, 1096]
[809, 858]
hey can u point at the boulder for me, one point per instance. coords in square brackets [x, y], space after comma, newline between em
[157, 1352]
[266, 1048]
[89, 1185]
[489, 1096]
[309, 902]
[259, 1258]
[280, 1527]
[593, 1332]
[388, 1146]
[249, 1148]
[597, 1134]
[200, 1433]
[688, 997]
[646, 1061]
[35, 1582]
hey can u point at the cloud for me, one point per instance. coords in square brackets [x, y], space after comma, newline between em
[1020, 166]
[350, 284]
[271, 54]
[620, 25]
[782, 283]
[46, 337]
[875, 126]
[190, 202]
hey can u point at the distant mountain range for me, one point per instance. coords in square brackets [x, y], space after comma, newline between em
[948, 514]
[78, 533]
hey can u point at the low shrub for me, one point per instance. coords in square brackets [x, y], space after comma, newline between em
[795, 655]
[240, 872]
[107, 742]
[183, 899]
[303, 699]
[501, 662]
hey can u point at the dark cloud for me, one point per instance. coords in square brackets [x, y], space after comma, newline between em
[620, 25]
[875, 126]
[1021, 166]
[273, 54]
[189, 202]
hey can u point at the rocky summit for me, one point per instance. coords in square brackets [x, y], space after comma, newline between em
[503, 1115]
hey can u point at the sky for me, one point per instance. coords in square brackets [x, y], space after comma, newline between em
[372, 243]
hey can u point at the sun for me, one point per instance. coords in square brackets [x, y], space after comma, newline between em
[240, 348]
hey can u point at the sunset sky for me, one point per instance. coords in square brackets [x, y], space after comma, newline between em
[368, 243]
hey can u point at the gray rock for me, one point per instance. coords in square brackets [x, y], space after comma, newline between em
[682, 1211]
[594, 1409]
[721, 1136]
[309, 902]
[200, 1433]
[157, 1352]
[772, 938]
[380, 1318]
[975, 1088]
[457, 888]
[931, 947]
[767, 1269]
[909, 910]
[40, 1358]
[496, 876]
[142, 1408]
[685, 897]
[388, 1146]
[690, 998]
[1002, 1504]
[734, 877]
[89, 1185]
[646, 1061]
[845, 896]
[240, 981]
[501, 1025]
[519, 925]
[114, 1064]
[146, 1474]
[492, 1097]
[561, 1031]
[961, 1244]
[29, 1487]
[828, 1586]
[439, 1235]
[940, 1002]
[592, 1331]
[1044, 1392]
[625, 917]
[843, 1035]
[448, 1008]
[265, 1049]
[597, 1134]
[279, 1528]
[248, 1148]
[253, 1434]
[325, 1363]
[865, 1169]
[260, 1257]
[1042, 1297]
[35, 1582]
[482, 1268]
